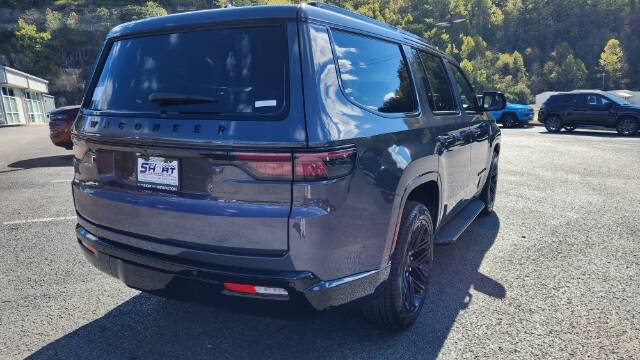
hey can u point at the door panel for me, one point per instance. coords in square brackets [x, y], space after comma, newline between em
[577, 110]
[478, 129]
[599, 111]
[455, 154]
[452, 134]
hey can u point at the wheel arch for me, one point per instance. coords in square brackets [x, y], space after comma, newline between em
[426, 189]
[628, 116]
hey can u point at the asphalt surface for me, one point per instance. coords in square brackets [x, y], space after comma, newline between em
[554, 273]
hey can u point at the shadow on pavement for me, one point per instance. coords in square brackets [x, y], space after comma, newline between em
[146, 326]
[42, 162]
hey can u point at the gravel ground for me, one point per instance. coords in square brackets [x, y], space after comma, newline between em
[552, 274]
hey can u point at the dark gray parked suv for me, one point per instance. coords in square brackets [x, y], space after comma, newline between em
[284, 152]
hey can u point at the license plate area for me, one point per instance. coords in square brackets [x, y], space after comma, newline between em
[158, 173]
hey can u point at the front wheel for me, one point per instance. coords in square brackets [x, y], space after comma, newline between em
[509, 121]
[627, 126]
[488, 194]
[402, 296]
[553, 124]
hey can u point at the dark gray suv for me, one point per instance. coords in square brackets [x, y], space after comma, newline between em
[282, 152]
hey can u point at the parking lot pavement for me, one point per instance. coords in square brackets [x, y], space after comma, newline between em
[552, 274]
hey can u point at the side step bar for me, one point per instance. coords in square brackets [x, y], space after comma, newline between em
[454, 228]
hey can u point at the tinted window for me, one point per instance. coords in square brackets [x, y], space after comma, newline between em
[374, 73]
[439, 94]
[559, 99]
[552, 100]
[463, 88]
[225, 71]
[597, 100]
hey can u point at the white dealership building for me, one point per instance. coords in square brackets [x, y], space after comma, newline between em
[25, 98]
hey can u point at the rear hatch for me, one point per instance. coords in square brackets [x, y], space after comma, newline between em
[186, 137]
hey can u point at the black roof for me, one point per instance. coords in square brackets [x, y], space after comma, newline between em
[586, 91]
[313, 11]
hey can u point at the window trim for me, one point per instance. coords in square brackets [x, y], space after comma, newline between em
[8, 112]
[453, 80]
[32, 101]
[416, 104]
[446, 72]
[106, 50]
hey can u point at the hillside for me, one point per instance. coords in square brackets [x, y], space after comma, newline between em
[521, 47]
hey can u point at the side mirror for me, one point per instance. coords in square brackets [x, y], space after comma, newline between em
[493, 101]
[608, 105]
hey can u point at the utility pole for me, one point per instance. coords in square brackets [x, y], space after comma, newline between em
[450, 22]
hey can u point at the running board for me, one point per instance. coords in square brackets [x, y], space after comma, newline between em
[454, 228]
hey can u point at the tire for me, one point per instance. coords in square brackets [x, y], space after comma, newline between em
[553, 124]
[489, 191]
[401, 299]
[570, 128]
[627, 126]
[509, 121]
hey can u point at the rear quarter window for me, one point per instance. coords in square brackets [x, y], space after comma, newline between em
[237, 71]
[373, 73]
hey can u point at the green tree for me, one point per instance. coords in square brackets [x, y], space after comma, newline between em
[72, 20]
[137, 12]
[53, 20]
[34, 55]
[104, 16]
[613, 64]
[29, 39]
[564, 72]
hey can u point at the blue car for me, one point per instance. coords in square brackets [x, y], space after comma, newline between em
[514, 115]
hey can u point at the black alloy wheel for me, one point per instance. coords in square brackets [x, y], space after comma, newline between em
[400, 299]
[490, 189]
[509, 121]
[553, 124]
[627, 126]
[417, 267]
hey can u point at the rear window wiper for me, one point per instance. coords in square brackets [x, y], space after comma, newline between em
[168, 99]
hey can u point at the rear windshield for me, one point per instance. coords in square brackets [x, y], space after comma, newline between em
[238, 71]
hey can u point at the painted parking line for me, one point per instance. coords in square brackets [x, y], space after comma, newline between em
[26, 221]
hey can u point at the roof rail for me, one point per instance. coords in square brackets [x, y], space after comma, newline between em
[345, 12]
[352, 14]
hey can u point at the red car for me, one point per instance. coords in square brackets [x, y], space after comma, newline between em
[60, 121]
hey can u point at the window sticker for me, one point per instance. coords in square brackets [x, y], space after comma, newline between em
[265, 103]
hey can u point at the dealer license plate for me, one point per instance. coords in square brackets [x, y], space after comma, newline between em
[158, 173]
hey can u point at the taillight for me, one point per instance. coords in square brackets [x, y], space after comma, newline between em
[271, 166]
[302, 166]
[323, 165]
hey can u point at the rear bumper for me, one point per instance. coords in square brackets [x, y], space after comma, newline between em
[153, 272]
